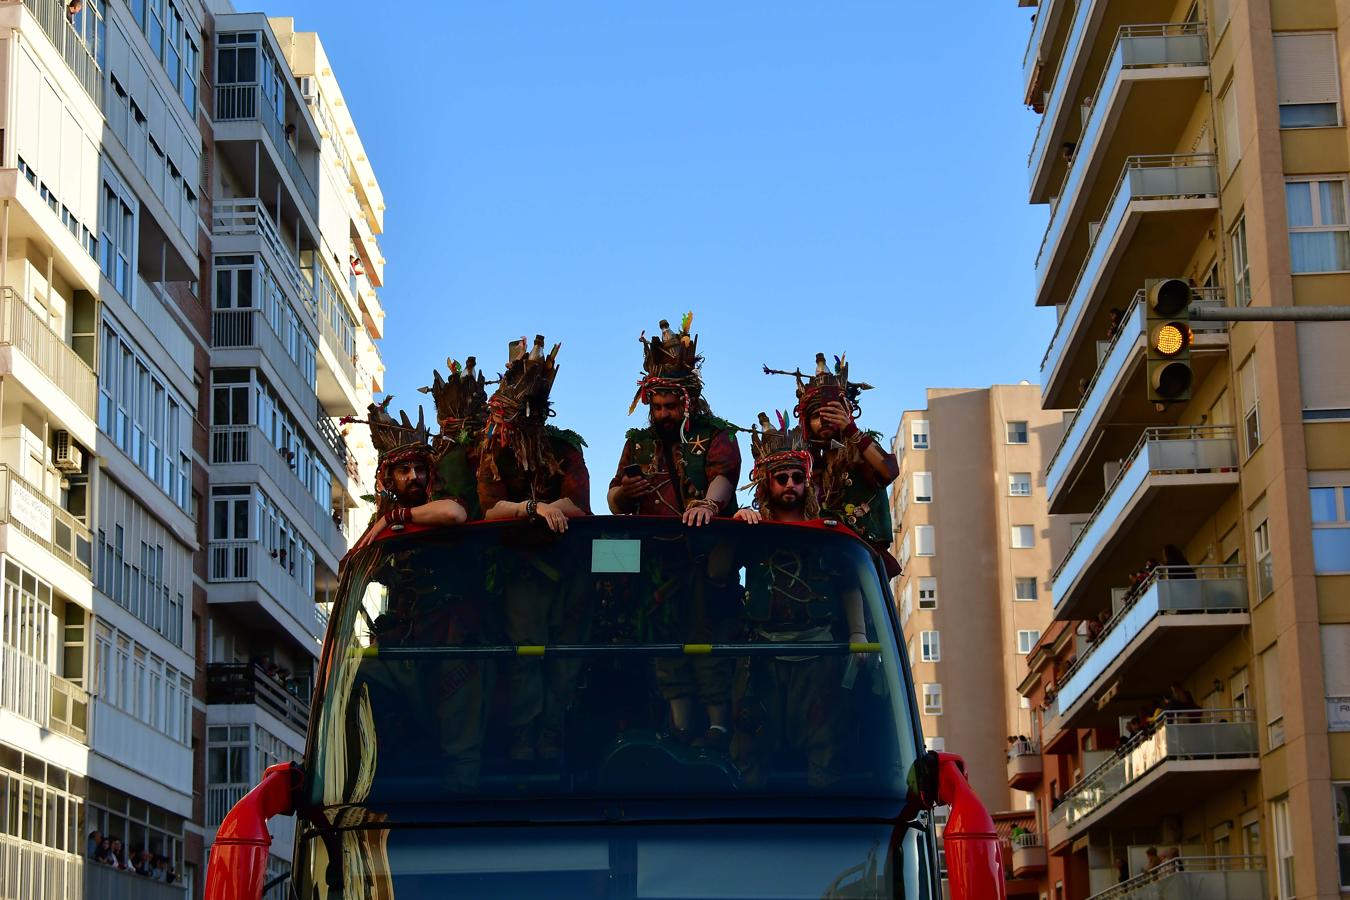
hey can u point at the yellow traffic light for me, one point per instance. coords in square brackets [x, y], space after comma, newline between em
[1171, 338]
[1167, 318]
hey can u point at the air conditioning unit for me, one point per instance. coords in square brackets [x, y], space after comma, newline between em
[69, 458]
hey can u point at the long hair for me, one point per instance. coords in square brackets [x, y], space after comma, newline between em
[810, 507]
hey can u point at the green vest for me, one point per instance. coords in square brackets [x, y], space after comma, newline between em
[457, 466]
[692, 468]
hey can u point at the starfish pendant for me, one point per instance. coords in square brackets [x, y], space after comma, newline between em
[698, 445]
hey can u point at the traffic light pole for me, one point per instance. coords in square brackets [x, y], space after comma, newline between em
[1270, 314]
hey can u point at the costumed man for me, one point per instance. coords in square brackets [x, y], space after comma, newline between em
[795, 701]
[461, 412]
[850, 468]
[686, 464]
[529, 469]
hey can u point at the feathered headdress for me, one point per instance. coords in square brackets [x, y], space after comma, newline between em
[461, 400]
[777, 449]
[519, 409]
[392, 437]
[670, 362]
[824, 386]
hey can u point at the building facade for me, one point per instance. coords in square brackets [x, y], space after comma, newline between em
[1191, 693]
[189, 267]
[976, 545]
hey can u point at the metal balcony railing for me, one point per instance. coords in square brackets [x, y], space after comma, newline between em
[1024, 748]
[1028, 840]
[1191, 734]
[1169, 590]
[249, 684]
[249, 217]
[220, 799]
[247, 103]
[33, 513]
[25, 685]
[1073, 44]
[250, 328]
[60, 29]
[346, 359]
[336, 442]
[106, 883]
[21, 328]
[250, 561]
[1225, 877]
[31, 870]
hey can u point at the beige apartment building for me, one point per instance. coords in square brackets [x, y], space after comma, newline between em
[976, 544]
[1191, 696]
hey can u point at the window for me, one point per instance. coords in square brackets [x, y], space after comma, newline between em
[1284, 849]
[1017, 432]
[1306, 85]
[918, 434]
[1319, 233]
[1025, 588]
[1019, 484]
[930, 646]
[923, 487]
[1026, 639]
[1274, 708]
[1023, 537]
[189, 89]
[932, 699]
[1265, 566]
[1231, 151]
[118, 234]
[1242, 274]
[1251, 405]
[1341, 795]
[1331, 529]
[924, 540]
[927, 592]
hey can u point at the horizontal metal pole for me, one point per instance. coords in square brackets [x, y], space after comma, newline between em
[1210, 313]
[778, 648]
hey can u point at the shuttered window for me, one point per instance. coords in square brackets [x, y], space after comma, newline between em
[1324, 369]
[1307, 84]
[1231, 151]
[923, 487]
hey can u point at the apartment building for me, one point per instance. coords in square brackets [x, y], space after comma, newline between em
[189, 267]
[1191, 692]
[976, 544]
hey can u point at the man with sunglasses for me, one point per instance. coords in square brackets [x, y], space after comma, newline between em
[791, 702]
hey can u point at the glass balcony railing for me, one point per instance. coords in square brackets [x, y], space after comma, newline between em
[1169, 590]
[1194, 449]
[1137, 47]
[1073, 44]
[1119, 350]
[1165, 177]
[1217, 877]
[1198, 734]
[1031, 56]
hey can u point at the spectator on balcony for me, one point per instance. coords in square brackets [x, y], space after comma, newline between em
[1151, 859]
[1122, 869]
[96, 838]
[1176, 562]
[118, 855]
[140, 861]
[74, 8]
[1116, 317]
[103, 853]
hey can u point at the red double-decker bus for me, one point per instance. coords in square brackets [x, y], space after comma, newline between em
[493, 718]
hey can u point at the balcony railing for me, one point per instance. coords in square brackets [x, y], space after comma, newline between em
[1165, 177]
[247, 103]
[1174, 449]
[250, 217]
[250, 561]
[1072, 45]
[1215, 734]
[346, 359]
[1220, 877]
[80, 59]
[1031, 55]
[1169, 590]
[106, 883]
[250, 328]
[220, 799]
[249, 684]
[246, 444]
[21, 329]
[34, 514]
[336, 442]
[69, 710]
[25, 685]
[30, 870]
[1119, 349]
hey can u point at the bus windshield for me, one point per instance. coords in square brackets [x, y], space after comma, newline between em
[629, 658]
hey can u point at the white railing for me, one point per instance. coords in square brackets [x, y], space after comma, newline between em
[247, 103]
[1220, 877]
[249, 217]
[33, 513]
[26, 686]
[1192, 734]
[250, 561]
[220, 799]
[1028, 840]
[30, 870]
[1024, 748]
[51, 15]
[250, 328]
[21, 328]
[346, 360]
[69, 710]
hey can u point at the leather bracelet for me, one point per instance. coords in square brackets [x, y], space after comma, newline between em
[399, 517]
[711, 506]
[850, 429]
[531, 509]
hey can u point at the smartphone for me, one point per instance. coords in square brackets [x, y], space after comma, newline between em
[632, 470]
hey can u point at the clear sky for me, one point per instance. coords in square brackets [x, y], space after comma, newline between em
[825, 175]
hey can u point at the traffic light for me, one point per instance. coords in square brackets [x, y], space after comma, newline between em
[1168, 328]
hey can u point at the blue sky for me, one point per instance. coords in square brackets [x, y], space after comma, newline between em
[836, 176]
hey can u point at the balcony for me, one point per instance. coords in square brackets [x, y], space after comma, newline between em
[245, 338]
[1024, 765]
[1209, 877]
[69, 710]
[1028, 854]
[250, 219]
[1102, 429]
[1179, 762]
[1166, 488]
[246, 447]
[248, 103]
[1044, 30]
[1179, 615]
[235, 684]
[39, 349]
[70, 43]
[31, 870]
[1155, 209]
[262, 589]
[1149, 86]
[30, 690]
[105, 883]
[31, 513]
[344, 386]
[1086, 50]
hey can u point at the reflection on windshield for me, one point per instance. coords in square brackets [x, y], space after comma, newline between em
[507, 662]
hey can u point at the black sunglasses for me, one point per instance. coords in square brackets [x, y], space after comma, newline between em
[784, 478]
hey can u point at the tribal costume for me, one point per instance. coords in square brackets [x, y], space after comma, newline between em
[461, 411]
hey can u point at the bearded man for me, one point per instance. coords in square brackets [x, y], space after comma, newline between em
[461, 412]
